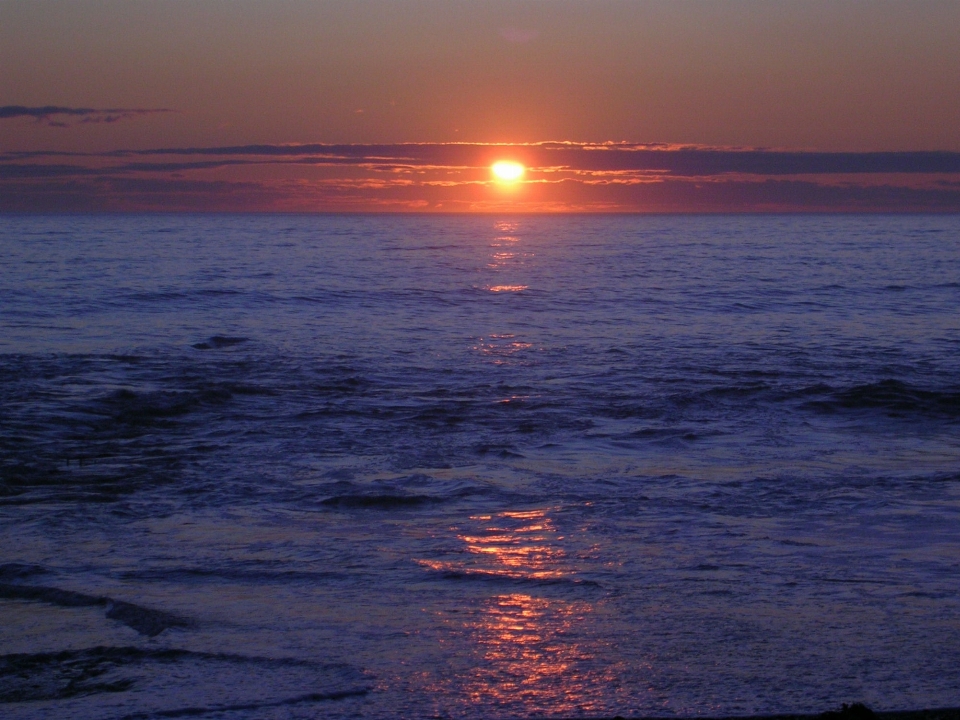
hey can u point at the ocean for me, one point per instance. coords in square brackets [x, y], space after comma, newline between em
[321, 466]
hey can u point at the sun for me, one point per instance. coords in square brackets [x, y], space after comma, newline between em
[507, 171]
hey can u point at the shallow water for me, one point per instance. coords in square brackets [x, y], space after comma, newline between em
[321, 466]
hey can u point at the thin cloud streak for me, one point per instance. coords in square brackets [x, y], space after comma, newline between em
[588, 157]
[599, 157]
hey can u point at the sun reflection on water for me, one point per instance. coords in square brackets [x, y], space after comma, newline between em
[529, 659]
[506, 248]
[531, 649]
[528, 550]
[500, 347]
[507, 288]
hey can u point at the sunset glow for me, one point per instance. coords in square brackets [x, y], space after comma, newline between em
[650, 107]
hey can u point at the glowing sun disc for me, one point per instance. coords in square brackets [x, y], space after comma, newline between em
[507, 170]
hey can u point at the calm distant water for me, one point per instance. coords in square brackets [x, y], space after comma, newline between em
[478, 467]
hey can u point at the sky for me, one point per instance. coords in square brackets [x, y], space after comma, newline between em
[403, 105]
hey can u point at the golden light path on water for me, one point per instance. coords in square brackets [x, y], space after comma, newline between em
[507, 256]
[531, 646]
[528, 618]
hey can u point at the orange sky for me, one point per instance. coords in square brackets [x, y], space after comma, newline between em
[840, 76]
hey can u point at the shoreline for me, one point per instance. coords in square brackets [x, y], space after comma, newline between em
[854, 712]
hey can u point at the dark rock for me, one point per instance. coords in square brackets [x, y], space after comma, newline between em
[857, 711]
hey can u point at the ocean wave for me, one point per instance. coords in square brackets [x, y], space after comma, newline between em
[894, 397]
[218, 342]
[17, 571]
[144, 620]
[459, 574]
[94, 671]
[237, 575]
[378, 501]
[134, 408]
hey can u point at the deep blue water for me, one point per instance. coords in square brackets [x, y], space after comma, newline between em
[329, 466]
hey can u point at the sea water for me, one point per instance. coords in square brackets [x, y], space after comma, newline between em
[478, 466]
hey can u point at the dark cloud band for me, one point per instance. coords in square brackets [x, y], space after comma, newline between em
[455, 176]
[58, 116]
